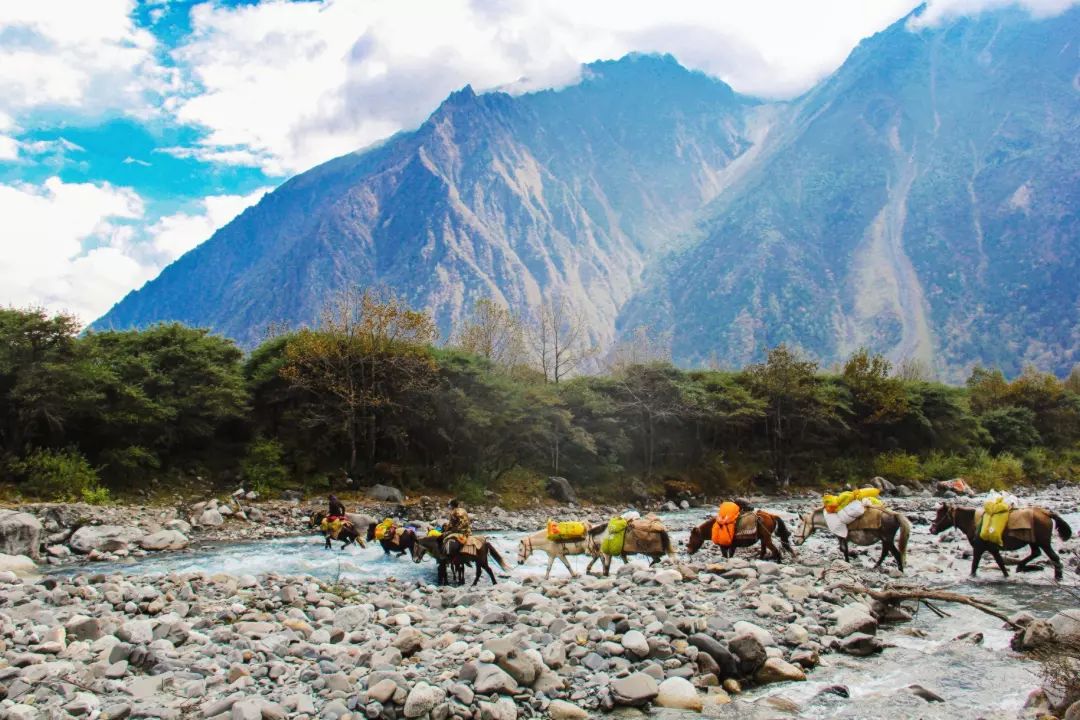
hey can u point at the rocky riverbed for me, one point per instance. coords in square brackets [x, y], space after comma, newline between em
[724, 638]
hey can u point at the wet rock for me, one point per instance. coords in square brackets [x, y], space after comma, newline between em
[634, 690]
[678, 693]
[777, 670]
[750, 651]
[860, 645]
[927, 695]
[1066, 624]
[853, 619]
[838, 690]
[1035, 635]
[725, 660]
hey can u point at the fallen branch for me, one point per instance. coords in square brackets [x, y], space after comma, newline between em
[889, 597]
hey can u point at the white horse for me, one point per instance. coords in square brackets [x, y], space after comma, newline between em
[555, 549]
[595, 540]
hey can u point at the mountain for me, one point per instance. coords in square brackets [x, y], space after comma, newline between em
[567, 192]
[921, 201]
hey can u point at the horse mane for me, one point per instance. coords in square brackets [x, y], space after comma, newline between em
[597, 530]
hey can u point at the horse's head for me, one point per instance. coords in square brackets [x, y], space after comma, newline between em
[524, 550]
[806, 528]
[370, 532]
[316, 518]
[697, 539]
[945, 519]
[422, 547]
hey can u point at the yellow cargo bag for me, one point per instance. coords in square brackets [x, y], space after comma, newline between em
[565, 531]
[383, 528]
[994, 521]
[613, 543]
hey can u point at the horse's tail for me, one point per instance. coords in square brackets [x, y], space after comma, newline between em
[665, 543]
[1063, 530]
[498, 558]
[784, 535]
[905, 535]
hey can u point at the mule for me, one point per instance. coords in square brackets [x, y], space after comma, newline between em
[891, 523]
[448, 553]
[401, 543]
[555, 549]
[595, 540]
[1043, 524]
[348, 534]
[767, 525]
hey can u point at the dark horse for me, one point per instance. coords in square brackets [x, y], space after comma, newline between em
[347, 535]
[401, 544]
[449, 554]
[891, 523]
[1043, 522]
[767, 524]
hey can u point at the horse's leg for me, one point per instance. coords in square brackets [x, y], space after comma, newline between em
[1022, 566]
[1059, 572]
[479, 568]
[885, 543]
[844, 549]
[490, 572]
[607, 565]
[976, 558]
[1000, 560]
[566, 562]
[592, 561]
[328, 542]
[551, 561]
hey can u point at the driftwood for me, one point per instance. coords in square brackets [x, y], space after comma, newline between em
[891, 597]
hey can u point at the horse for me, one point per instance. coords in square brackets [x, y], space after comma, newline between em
[401, 543]
[891, 522]
[450, 554]
[1043, 523]
[595, 539]
[348, 533]
[767, 524]
[555, 549]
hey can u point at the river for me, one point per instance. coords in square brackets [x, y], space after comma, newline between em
[979, 679]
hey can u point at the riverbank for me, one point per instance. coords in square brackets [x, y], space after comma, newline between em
[249, 644]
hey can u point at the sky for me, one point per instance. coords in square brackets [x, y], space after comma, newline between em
[131, 131]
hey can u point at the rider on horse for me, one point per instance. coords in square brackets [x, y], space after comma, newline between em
[458, 524]
[335, 519]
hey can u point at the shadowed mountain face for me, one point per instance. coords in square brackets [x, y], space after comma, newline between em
[922, 201]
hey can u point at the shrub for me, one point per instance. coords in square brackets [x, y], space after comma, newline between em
[520, 487]
[944, 466]
[61, 475]
[263, 468]
[898, 466]
[468, 489]
[994, 473]
[129, 464]
[96, 496]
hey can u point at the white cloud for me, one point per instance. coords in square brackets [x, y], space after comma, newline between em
[938, 11]
[9, 148]
[287, 85]
[173, 235]
[87, 57]
[76, 246]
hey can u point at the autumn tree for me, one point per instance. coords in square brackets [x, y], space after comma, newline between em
[559, 338]
[367, 361]
[642, 346]
[494, 332]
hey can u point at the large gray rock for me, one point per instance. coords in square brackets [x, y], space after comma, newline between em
[560, 489]
[422, 699]
[104, 538]
[750, 651]
[852, 619]
[634, 690]
[724, 658]
[680, 694]
[164, 540]
[211, 517]
[20, 534]
[1066, 624]
[860, 645]
[492, 679]
[385, 493]
[636, 644]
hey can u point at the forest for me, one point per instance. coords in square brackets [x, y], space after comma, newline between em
[370, 394]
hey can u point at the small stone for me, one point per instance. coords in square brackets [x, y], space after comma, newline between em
[777, 670]
[422, 699]
[562, 710]
[678, 693]
[634, 690]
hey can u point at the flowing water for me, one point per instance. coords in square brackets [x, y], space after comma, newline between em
[978, 679]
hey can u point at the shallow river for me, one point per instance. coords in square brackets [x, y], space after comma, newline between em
[982, 679]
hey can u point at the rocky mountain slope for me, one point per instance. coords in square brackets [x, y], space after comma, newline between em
[920, 201]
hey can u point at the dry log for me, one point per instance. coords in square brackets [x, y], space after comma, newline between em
[922, 594]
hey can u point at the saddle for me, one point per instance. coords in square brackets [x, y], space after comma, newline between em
[869, 520]
[470, 544]
[746, 527]
[644, 536]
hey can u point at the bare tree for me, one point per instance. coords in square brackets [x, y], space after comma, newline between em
[494, 332]
[559, 339]
[641, 347]
[913, 370]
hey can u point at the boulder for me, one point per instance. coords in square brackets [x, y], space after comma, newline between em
[502, 709]
[777, 670]
[1035, 634]
[634, 690]
[957, 486]
[635, 643]
[20, 534]
[860, 645]
[385, 493]
[104, 538]
[853, 619]
[422, 699]
[725, 660]
[1066, 624]
[211, 517]
[164, 540]
[492, 679]
[750, 651]
[562, 710]
[560, 490]
[680, 694]
[882, 484]
[21, 565]
[1073, 712]
[748, 628]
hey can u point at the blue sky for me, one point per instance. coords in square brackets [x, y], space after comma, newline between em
[130, 131]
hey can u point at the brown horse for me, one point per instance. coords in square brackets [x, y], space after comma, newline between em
[767, 525]
[402, 542]
[1043, 523]
[448, 552]
[348, 533]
